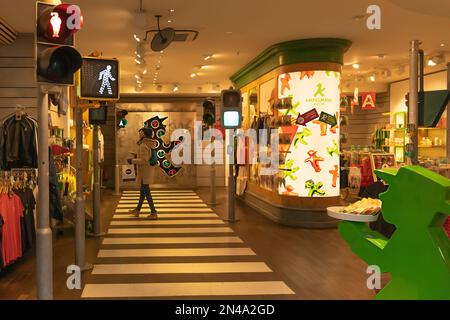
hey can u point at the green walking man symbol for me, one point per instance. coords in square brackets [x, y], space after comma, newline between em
[320, 90]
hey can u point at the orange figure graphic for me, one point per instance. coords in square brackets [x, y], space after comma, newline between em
[314, 160]
[333, 129]
[285, 83]
[335, 174]
[308, 74]
[323, 127]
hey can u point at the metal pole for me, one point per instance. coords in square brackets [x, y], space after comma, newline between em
[413, 110]
[117, 166]
[231, 187]
[448, 116]
[212, 200]
[80, 215]
[44, 245]
[96, 189]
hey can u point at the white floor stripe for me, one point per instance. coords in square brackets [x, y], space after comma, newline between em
[167, 205]
[147, 210]
[164, 201]
[164, 222]
[158, 191]
[187, 289]
[163, 198]
[169, 230]
[169, 215]
[187, 193]
[171, 240]
[185, 252]
[179, 268]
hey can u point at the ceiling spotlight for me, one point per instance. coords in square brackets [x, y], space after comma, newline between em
[136, 37]
[137, 76]
[207, 57]
[169, 21]
[137, 61]
[144, 71]
[139, 81]
[175, 88]
[162, 51]
[434, 61]
[372, 77]
[193, 75]
[442, 44]
[355, 66]
[171, 10]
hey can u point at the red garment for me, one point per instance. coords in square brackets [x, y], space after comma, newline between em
[447, 226]
[11, 209]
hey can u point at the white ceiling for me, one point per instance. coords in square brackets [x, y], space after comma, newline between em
[235, 31]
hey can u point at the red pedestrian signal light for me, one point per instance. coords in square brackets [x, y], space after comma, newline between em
[407, 99]
[56, 58]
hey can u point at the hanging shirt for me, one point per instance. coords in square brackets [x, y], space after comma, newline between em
[11, 209]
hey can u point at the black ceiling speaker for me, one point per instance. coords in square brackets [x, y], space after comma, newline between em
[162, 38]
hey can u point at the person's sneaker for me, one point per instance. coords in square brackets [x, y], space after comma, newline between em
[135, 213]
[153, 216]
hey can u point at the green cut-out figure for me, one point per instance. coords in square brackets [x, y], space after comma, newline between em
[418, 254]
[314, 188]
[333, 149]
[300, 137]
[290, 173]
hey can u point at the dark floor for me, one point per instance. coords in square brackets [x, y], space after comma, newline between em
[316, 264]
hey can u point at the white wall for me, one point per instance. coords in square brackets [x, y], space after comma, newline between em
[398, 90]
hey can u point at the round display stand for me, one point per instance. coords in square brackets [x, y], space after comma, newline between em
[335, 212]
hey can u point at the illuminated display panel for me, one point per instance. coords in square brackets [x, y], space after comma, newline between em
[231, 118]
[311, 167]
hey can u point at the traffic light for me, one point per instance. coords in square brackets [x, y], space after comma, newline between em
[209, 112]
[407, 99]
[56, 58]
[121, 121]
[231, 109]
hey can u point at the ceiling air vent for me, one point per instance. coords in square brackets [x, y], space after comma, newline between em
[7, 33]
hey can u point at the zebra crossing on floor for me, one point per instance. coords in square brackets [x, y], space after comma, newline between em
[186, 230]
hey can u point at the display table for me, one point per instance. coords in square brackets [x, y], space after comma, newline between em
[291, 90]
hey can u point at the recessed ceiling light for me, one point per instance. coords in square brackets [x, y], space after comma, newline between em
[442, 44]
[162, 51]
[137, 76]
[193, 75]
[372, 77]
[175, 88]
[355, 66]
[136, 38]
[144, 71]
[207, 57]
[172, 10]
[169, 21]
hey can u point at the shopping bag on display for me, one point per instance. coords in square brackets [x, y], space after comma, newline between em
[128, 172]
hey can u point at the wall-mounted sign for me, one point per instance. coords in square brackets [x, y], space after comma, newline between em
[99, 79]
[328, 119]
[368, 101]
[311, 166]
[308, 116]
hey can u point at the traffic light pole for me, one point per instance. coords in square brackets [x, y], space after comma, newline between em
[44, 245]
[80, 215]
[116, 158]
[212, 200]
[96, 188]
[413, 109]
[231, 182]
